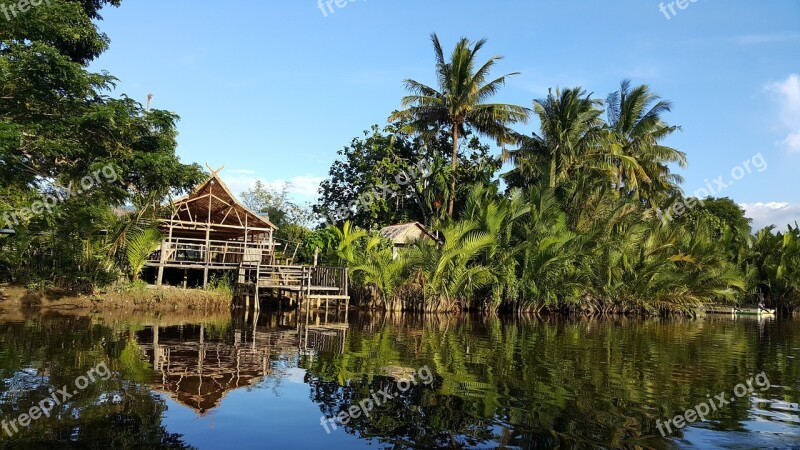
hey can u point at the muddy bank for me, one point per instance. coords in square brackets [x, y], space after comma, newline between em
[163, 298]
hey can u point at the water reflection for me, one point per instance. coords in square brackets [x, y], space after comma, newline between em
[43, 353]
[246, 380]
[197, 365]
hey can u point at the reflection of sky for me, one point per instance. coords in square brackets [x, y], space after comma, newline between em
[23, 381]
[282, 418]
[760, 434]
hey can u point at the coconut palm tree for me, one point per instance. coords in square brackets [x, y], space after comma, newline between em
[634, 117]
[573, 152]
[570, 133]
[459, 102]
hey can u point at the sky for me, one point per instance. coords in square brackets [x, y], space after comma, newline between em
[273, 89]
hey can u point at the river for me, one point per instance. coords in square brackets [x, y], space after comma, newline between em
[282, 380]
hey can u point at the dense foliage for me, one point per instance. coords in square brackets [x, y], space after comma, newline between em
[574, 223]
[70, 153]
[579, 226]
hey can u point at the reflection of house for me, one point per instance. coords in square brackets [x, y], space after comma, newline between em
[404, 234]
[198, 371]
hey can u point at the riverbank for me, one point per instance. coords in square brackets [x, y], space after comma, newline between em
[134, 297]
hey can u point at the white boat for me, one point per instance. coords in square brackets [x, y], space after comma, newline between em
[754, 311]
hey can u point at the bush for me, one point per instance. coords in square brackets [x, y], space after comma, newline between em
[221, 284]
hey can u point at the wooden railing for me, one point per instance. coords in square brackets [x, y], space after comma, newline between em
[282, 276]
[320, 281]
[330, 277]
[189, 251]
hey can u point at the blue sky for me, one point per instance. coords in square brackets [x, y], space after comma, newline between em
[272, 89]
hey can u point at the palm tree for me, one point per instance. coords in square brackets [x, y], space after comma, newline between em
[634, 117]
[571, 132]
[552, 272]
[501, 218]
[459, 102]
[452, 271]
[378, 267]
[138, 247]
[347, 239]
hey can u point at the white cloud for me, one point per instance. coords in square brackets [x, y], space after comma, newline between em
[755, 39]
[306, 186]
[787, 94]
[302, 188]
[792, 142]
[779, 214]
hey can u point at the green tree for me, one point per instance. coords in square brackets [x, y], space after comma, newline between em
[634, 117]
[459, 102]
[387, 177]
[62, 135]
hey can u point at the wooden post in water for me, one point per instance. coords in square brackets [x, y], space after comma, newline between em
[156, 349]
[257, 304]
[255, 324]
[346, 293]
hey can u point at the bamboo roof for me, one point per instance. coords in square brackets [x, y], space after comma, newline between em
[213, 203]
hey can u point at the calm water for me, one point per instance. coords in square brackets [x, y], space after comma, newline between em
[221, 382]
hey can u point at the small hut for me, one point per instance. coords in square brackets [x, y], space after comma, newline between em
[404, 234]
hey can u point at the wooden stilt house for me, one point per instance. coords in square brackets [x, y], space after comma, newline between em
[209, 230]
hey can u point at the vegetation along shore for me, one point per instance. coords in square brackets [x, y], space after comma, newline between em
[568, 217]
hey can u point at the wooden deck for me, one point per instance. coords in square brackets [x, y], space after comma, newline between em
[259, 267]
[306, 283]
[311, 281]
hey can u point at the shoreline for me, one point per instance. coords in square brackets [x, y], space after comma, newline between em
[174, 299]
[160, 299]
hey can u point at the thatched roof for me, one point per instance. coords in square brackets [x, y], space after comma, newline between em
[406, 233]
[213, 202]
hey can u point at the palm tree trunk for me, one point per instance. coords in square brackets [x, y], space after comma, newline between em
[453, 165]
